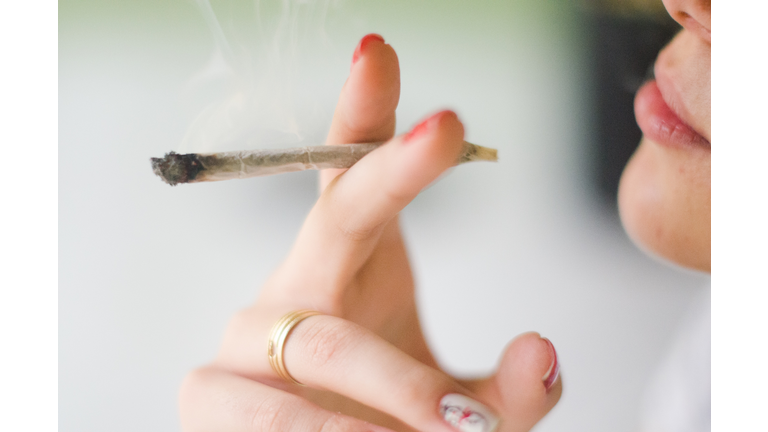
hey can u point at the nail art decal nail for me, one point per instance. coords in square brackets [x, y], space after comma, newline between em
[467, 415]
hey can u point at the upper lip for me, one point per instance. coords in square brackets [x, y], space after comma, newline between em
[671, 94]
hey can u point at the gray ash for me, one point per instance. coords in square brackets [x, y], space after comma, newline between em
[177, 168]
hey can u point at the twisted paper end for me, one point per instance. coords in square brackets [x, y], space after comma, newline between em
[474, 152]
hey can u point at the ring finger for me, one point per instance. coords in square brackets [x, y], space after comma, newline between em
[330, 353]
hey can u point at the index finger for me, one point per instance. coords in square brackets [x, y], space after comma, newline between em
[365, 111]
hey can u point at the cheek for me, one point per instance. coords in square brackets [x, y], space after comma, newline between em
[664, 202]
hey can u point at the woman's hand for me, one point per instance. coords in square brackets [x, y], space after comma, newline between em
[365, 361]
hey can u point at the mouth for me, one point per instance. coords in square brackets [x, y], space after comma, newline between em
[660, 123]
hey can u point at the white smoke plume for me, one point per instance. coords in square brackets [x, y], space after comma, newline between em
[263, 69]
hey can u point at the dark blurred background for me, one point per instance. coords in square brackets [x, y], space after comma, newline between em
[625, 37]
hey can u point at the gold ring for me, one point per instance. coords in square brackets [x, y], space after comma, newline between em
[277, 337]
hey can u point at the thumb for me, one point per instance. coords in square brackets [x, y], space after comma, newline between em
[365, 111]
[527, 384]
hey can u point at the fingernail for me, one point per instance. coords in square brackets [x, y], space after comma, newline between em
[553, 372]
[425, 126]
[466, 414]
[363, 43]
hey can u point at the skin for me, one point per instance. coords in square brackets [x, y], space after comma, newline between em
[665, 191]
[366, 361]
[350, 263]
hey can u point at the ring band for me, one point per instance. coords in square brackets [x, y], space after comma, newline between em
[277, 337]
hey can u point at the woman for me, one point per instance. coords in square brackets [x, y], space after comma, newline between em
[363, 359]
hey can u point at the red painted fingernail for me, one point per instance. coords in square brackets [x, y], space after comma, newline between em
[425, 126]
[367, 39]
[554, 368]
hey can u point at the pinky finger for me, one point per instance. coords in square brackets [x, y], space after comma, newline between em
[214, 400]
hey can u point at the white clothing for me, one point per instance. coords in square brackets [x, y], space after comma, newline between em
[679, 397]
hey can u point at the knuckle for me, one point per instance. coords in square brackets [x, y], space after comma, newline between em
[241, 319]
[272, 415]
[349, 221]
[399, 194]
[193, 385]
[240, 327]
[353, 230]
[194, 394]
[191, 382]
[328, 339]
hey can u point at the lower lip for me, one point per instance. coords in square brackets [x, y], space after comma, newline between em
[660, 124]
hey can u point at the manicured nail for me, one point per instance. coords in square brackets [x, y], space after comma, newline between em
[467, 415]
[553, 372]
[367, 39]
[425, 126]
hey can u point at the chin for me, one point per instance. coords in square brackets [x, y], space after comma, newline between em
[665, 203]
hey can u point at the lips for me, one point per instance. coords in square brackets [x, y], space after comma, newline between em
[660, 124]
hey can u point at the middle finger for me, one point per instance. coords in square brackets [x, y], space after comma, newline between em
[343, 227]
